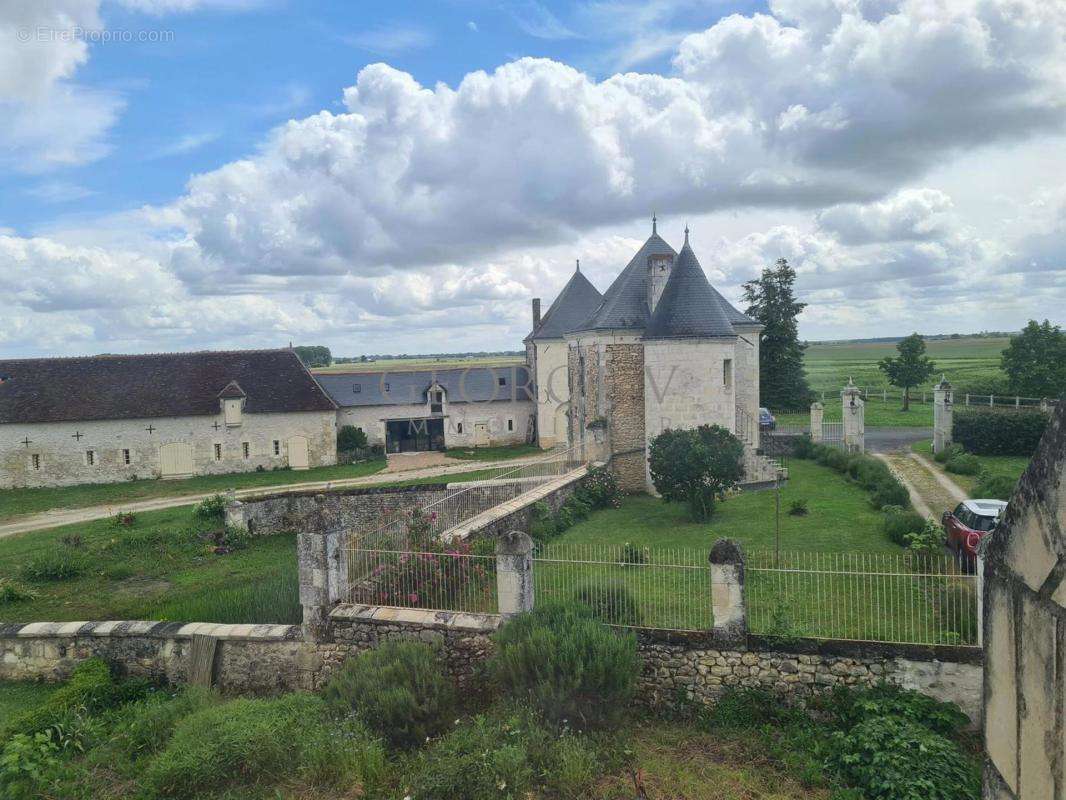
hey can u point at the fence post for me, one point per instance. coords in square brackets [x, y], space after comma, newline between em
[854, 416]
[727, 592]
[967, 398]
[514, 573]
[817, 412]
[322, 568]
[980, 572]
[943, 411]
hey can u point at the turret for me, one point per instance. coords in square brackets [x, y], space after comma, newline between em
[659, 268]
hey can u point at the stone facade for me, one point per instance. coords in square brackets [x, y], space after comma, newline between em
[57, 452]
[549, 359]
[1025, 631]
[506, 421]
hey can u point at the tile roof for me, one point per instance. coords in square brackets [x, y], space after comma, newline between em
[156, 385]
[736, 316]
[689, 307]
[578, 299]
[469, 384]
[625, 303]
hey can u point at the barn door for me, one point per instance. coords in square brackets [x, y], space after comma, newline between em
[175, 460]
[298, 458]
[481, 434]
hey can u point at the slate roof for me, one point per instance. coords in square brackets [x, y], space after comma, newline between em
[578, 299]
[689, 307]
[736, 316]
[480, 385]
[625, 303]
[157, 385]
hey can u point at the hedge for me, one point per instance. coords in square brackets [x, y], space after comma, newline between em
[999, 433]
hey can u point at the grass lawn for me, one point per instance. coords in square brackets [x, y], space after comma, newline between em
[1011, 466]
[879, 414]
[14, 502]
[19, 696]
[495, 453]
[161, 568]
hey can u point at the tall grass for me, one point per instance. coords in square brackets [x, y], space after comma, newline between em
[274, 599]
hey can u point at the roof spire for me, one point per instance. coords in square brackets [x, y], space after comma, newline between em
[654, 225]
[578, 265]
[686, 233]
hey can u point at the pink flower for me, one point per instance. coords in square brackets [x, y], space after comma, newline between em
[413, 598]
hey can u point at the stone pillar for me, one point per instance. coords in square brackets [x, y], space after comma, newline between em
[943, 411]
[514, 573]
[854, 410]
[323, 570]
[727, 592]
[817, 411]
[235, 515]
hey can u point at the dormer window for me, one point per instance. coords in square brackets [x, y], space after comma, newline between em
[232, 410]
[357, 388]
[436, 401]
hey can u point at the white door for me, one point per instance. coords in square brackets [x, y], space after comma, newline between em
[175, 460]
[481, 434]
[298, 453]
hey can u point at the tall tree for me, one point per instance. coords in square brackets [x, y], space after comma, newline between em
[1035, 360]
[909, 368]
[772, 300]
[315, 355]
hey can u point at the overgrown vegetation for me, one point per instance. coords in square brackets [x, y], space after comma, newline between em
[598, 490]
[350, 438]
[998, 432]
[696, 467]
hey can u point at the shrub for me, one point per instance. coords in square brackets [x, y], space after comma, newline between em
[349, 438]
[398, 690]
[803, 447]
[12, 592]
[998, 433]
[963, 464]
[633, 554]
[544, 526]
[898, 522]
[211, 507]
[262, 742]
[798, 508]
[566, 664]
[996, 487]
[752, 708]
[599, 488]
[894, 758]
[696, 467]
[890, 492]
[610, 602]
[852, 706]
[58, 565]
[124, 519]
[929, 539]
[836, 459]
[505, 755]
[948, 453]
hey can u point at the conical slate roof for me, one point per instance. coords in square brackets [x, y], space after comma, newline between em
[689, 306]
[736, 316]
[625, 303]
[578, 299]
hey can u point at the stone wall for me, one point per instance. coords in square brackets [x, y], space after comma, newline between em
[553, 391]
[506, 420]
[61, 447]
[1025, 631]
[624, 383]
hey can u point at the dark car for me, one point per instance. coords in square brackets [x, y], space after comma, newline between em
[970, 522]
[766, 420]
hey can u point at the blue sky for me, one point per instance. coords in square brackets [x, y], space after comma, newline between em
[406, 176]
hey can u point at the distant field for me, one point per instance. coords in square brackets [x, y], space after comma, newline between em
[968, 363]
[411, 364]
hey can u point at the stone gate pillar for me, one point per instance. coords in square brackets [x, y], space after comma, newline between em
[854, 410]
[727, 592]
[322, 568]
[514, 573]
[943, 411]
[817, 411]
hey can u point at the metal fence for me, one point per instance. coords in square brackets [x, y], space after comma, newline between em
[878, 597]
[666, 588]
[448, 579]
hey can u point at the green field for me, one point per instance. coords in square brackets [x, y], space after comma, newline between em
[970, 364]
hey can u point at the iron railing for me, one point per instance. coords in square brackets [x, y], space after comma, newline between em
[446, 579]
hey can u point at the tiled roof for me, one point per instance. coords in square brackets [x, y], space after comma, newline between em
[156, 385]
[469, 384]
[625, 303]
[578, 299]
[736, 316]
[689, 307]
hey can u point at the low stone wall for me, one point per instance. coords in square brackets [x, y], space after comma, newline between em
[266, 659]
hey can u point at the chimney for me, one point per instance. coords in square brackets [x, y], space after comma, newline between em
[536, 312]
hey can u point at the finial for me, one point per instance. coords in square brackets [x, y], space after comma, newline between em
[686, 233]
[654, 221]
[579, 265]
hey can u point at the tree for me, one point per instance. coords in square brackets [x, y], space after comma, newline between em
[350, 438]
[909, 368]
[772, 301]
[1035, 360]
[696, 467]
[314, 355]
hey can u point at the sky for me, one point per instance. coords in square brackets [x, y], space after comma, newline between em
[406, 176]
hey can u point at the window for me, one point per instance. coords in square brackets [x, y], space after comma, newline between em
[459, 427]
[277, 447]
[125, 456]
[357, 388]
[90, 457]
[387, 387]
[35, 461]
[436, 402]
[218, 452]
[502, 381]
[510, 424]
[246, 450]
[727, 373]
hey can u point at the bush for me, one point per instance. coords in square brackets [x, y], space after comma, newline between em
[349, 438]
[566, 664]
[998, 433]
[544, 526]
[803, 447]
[398, 690]
[963, 464]
[263, 742]
[948, 453]
[696, 467]
[899, 522]
[211, 507]
[599, 488]
[929, 539]
[852, 706]
[798, 508]
[610, 602]
[12, 592]
[894, 758]
[59, 565]
[994, 487]
[491, 757]
[890, 492]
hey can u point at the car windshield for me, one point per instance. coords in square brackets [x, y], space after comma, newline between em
[980, 523]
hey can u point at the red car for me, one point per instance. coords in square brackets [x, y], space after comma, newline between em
[968, 524]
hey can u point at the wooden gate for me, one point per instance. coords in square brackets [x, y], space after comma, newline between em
[298, 458]
[175, 460]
